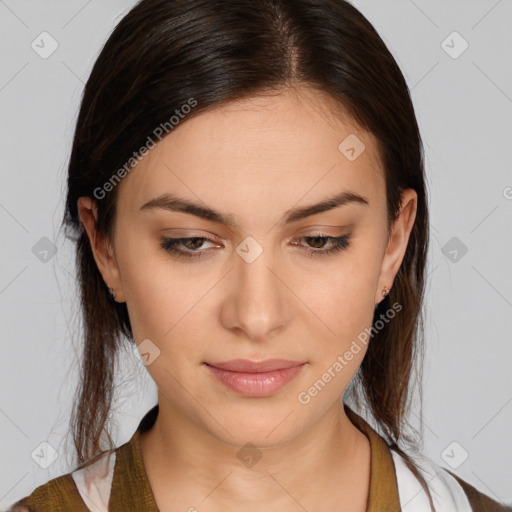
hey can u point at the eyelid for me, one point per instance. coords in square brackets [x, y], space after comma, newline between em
[324, 227]
[321, 232]
[190, 233]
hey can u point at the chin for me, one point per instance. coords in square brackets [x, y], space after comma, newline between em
[261, 429]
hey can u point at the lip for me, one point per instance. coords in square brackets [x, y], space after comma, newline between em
[255, 378]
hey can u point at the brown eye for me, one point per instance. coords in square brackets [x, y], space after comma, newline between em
[192, 243]
[191, 247]
[316, 244]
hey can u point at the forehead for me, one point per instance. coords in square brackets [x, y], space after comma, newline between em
[268, 151]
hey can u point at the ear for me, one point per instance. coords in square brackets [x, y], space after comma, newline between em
[102, 249]
[397, 243]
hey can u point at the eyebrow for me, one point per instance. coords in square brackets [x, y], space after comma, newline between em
[174, 203]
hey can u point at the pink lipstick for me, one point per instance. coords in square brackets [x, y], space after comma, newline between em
[255, 379]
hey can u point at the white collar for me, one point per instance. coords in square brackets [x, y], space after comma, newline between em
[447, 494]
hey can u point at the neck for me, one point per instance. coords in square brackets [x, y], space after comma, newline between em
[330, 459]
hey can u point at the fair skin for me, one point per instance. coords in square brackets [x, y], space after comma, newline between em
[254, 160]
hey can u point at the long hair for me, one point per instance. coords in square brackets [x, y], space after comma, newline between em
[165, 52]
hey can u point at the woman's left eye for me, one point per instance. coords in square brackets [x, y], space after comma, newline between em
[334, 244]
[193, 247]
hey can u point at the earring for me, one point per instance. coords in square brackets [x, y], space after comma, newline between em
[385, 291]
[111, 294]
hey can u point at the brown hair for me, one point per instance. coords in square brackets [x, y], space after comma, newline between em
[164, 52]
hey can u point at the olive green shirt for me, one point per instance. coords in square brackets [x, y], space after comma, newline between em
[130, 489]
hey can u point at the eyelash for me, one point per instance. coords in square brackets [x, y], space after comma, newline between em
[338, 243]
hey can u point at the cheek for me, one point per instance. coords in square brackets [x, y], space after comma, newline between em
[152, 297]
[344, 301]
[342, 295]
[167, 301]
[156, 302]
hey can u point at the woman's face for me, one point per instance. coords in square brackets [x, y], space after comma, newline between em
[264, 285]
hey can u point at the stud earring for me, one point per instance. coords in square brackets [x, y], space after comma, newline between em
[385, 291]
[111, 294]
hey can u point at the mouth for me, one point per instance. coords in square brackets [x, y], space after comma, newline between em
[255, 379]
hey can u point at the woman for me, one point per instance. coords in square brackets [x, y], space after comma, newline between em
[246, 188]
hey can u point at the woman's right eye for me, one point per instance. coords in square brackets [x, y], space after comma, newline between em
[186, 247]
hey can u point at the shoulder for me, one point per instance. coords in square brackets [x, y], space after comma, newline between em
[449, 492]
[479, 501]
[57, 495]
[88, 483]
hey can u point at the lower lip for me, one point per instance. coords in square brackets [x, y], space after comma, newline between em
[256, 384]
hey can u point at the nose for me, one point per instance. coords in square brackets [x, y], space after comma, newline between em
[257, 303]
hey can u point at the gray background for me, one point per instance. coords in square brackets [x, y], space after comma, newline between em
[464, 108]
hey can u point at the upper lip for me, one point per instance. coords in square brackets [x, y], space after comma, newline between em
[246, 365]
